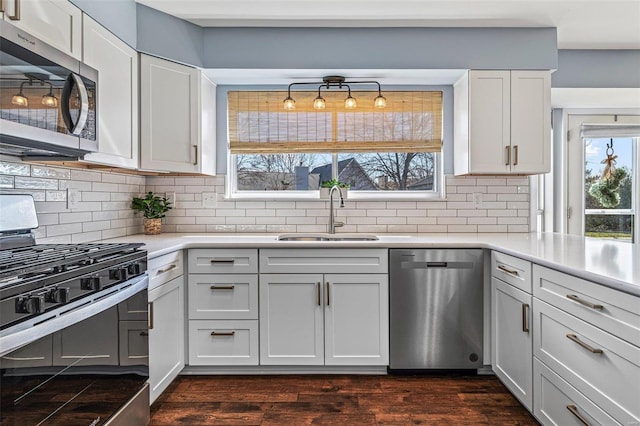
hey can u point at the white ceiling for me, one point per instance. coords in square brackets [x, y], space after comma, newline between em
[581, 24]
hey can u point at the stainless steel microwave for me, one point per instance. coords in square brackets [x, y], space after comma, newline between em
[48, 100]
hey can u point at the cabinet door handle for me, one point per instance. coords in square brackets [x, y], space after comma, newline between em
[319, 295]
[150, 315]
[16, 11]
[162, 271]
[222, 287]
[195, 161]
[508, 162]
[525, 318]
[575, 298]
[144, 333]
[328, 294]
[508, 271]
[574, 410]
[223, 333]
[223, 260]
[1, 6]
[515, 155]
[590, 348]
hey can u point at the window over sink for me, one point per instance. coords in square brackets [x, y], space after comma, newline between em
[380, 153]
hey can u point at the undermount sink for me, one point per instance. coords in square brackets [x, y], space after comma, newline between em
[327, 237]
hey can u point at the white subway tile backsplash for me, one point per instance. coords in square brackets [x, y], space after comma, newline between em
[15, 169]
[104, 210]
[75, 217]
[50, 172]
[23, 182]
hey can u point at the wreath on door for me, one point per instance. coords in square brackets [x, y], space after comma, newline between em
[606, 189]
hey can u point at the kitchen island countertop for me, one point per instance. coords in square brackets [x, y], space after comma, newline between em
[611, 263]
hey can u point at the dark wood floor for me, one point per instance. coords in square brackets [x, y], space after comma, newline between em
[338, 400]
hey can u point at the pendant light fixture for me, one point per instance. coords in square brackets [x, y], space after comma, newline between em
[335, 82]
[49, 100]
[20, 99]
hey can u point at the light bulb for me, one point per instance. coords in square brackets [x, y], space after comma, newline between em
[380, 102]
[50, 100]
[350, 102]
[289, 103]
[319, 103]
[20, 100]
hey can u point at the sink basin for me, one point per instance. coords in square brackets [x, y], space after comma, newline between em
[327, 237]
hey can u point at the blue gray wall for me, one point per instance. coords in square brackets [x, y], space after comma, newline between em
[371, 48]
[597, 68]
[221, 120]
[166, 36]
[119, 16]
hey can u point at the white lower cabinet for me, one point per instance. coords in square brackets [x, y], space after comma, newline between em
[324, 319]
[166, 334]
[223, 342]
[511, 336]
[556, 402]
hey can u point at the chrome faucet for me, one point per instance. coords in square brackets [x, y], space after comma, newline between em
[332, 222]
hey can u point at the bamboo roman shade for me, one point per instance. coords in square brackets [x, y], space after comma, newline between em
[258, 124]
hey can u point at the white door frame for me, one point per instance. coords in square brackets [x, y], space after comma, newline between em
[571, 173]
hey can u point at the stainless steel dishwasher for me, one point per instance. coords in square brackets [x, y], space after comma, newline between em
[436, 308]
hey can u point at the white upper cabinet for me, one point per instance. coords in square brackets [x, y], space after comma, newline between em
[56, 22]
[502, 122]
[177, 118]
[117, 66]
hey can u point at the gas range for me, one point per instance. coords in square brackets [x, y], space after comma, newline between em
[39, 278]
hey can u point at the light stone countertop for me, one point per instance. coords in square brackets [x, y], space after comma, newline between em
[610, 263]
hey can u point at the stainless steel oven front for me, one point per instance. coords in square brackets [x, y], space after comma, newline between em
[85, 363]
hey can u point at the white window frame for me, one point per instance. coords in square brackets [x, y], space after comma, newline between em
[437, 194]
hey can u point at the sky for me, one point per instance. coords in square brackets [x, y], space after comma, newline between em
[595, 152]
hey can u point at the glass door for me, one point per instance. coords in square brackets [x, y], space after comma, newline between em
[603, 177]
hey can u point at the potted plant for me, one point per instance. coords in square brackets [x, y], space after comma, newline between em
[153, 207]
[326, 186]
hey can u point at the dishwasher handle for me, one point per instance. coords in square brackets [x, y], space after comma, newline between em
[445, 265]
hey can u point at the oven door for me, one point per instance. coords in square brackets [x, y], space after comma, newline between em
[84, 373]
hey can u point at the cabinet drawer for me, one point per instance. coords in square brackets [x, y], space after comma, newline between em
[335, 261]
[615, 312]
[223, 296]
[164, 268]
[556, 402]
[216, 342]
[512, 270]
[223, 261]
[603, 367]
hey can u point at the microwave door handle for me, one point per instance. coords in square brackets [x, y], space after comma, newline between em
[75, 128]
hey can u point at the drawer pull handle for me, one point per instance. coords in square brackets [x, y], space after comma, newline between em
[508, 271]
[223, 260]
[162, 271]
[575, 298]
[223, 287]
[319, 295]
[575, 338]
[223, 333]
[328, 294]
[574, 410]
[525, 318]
